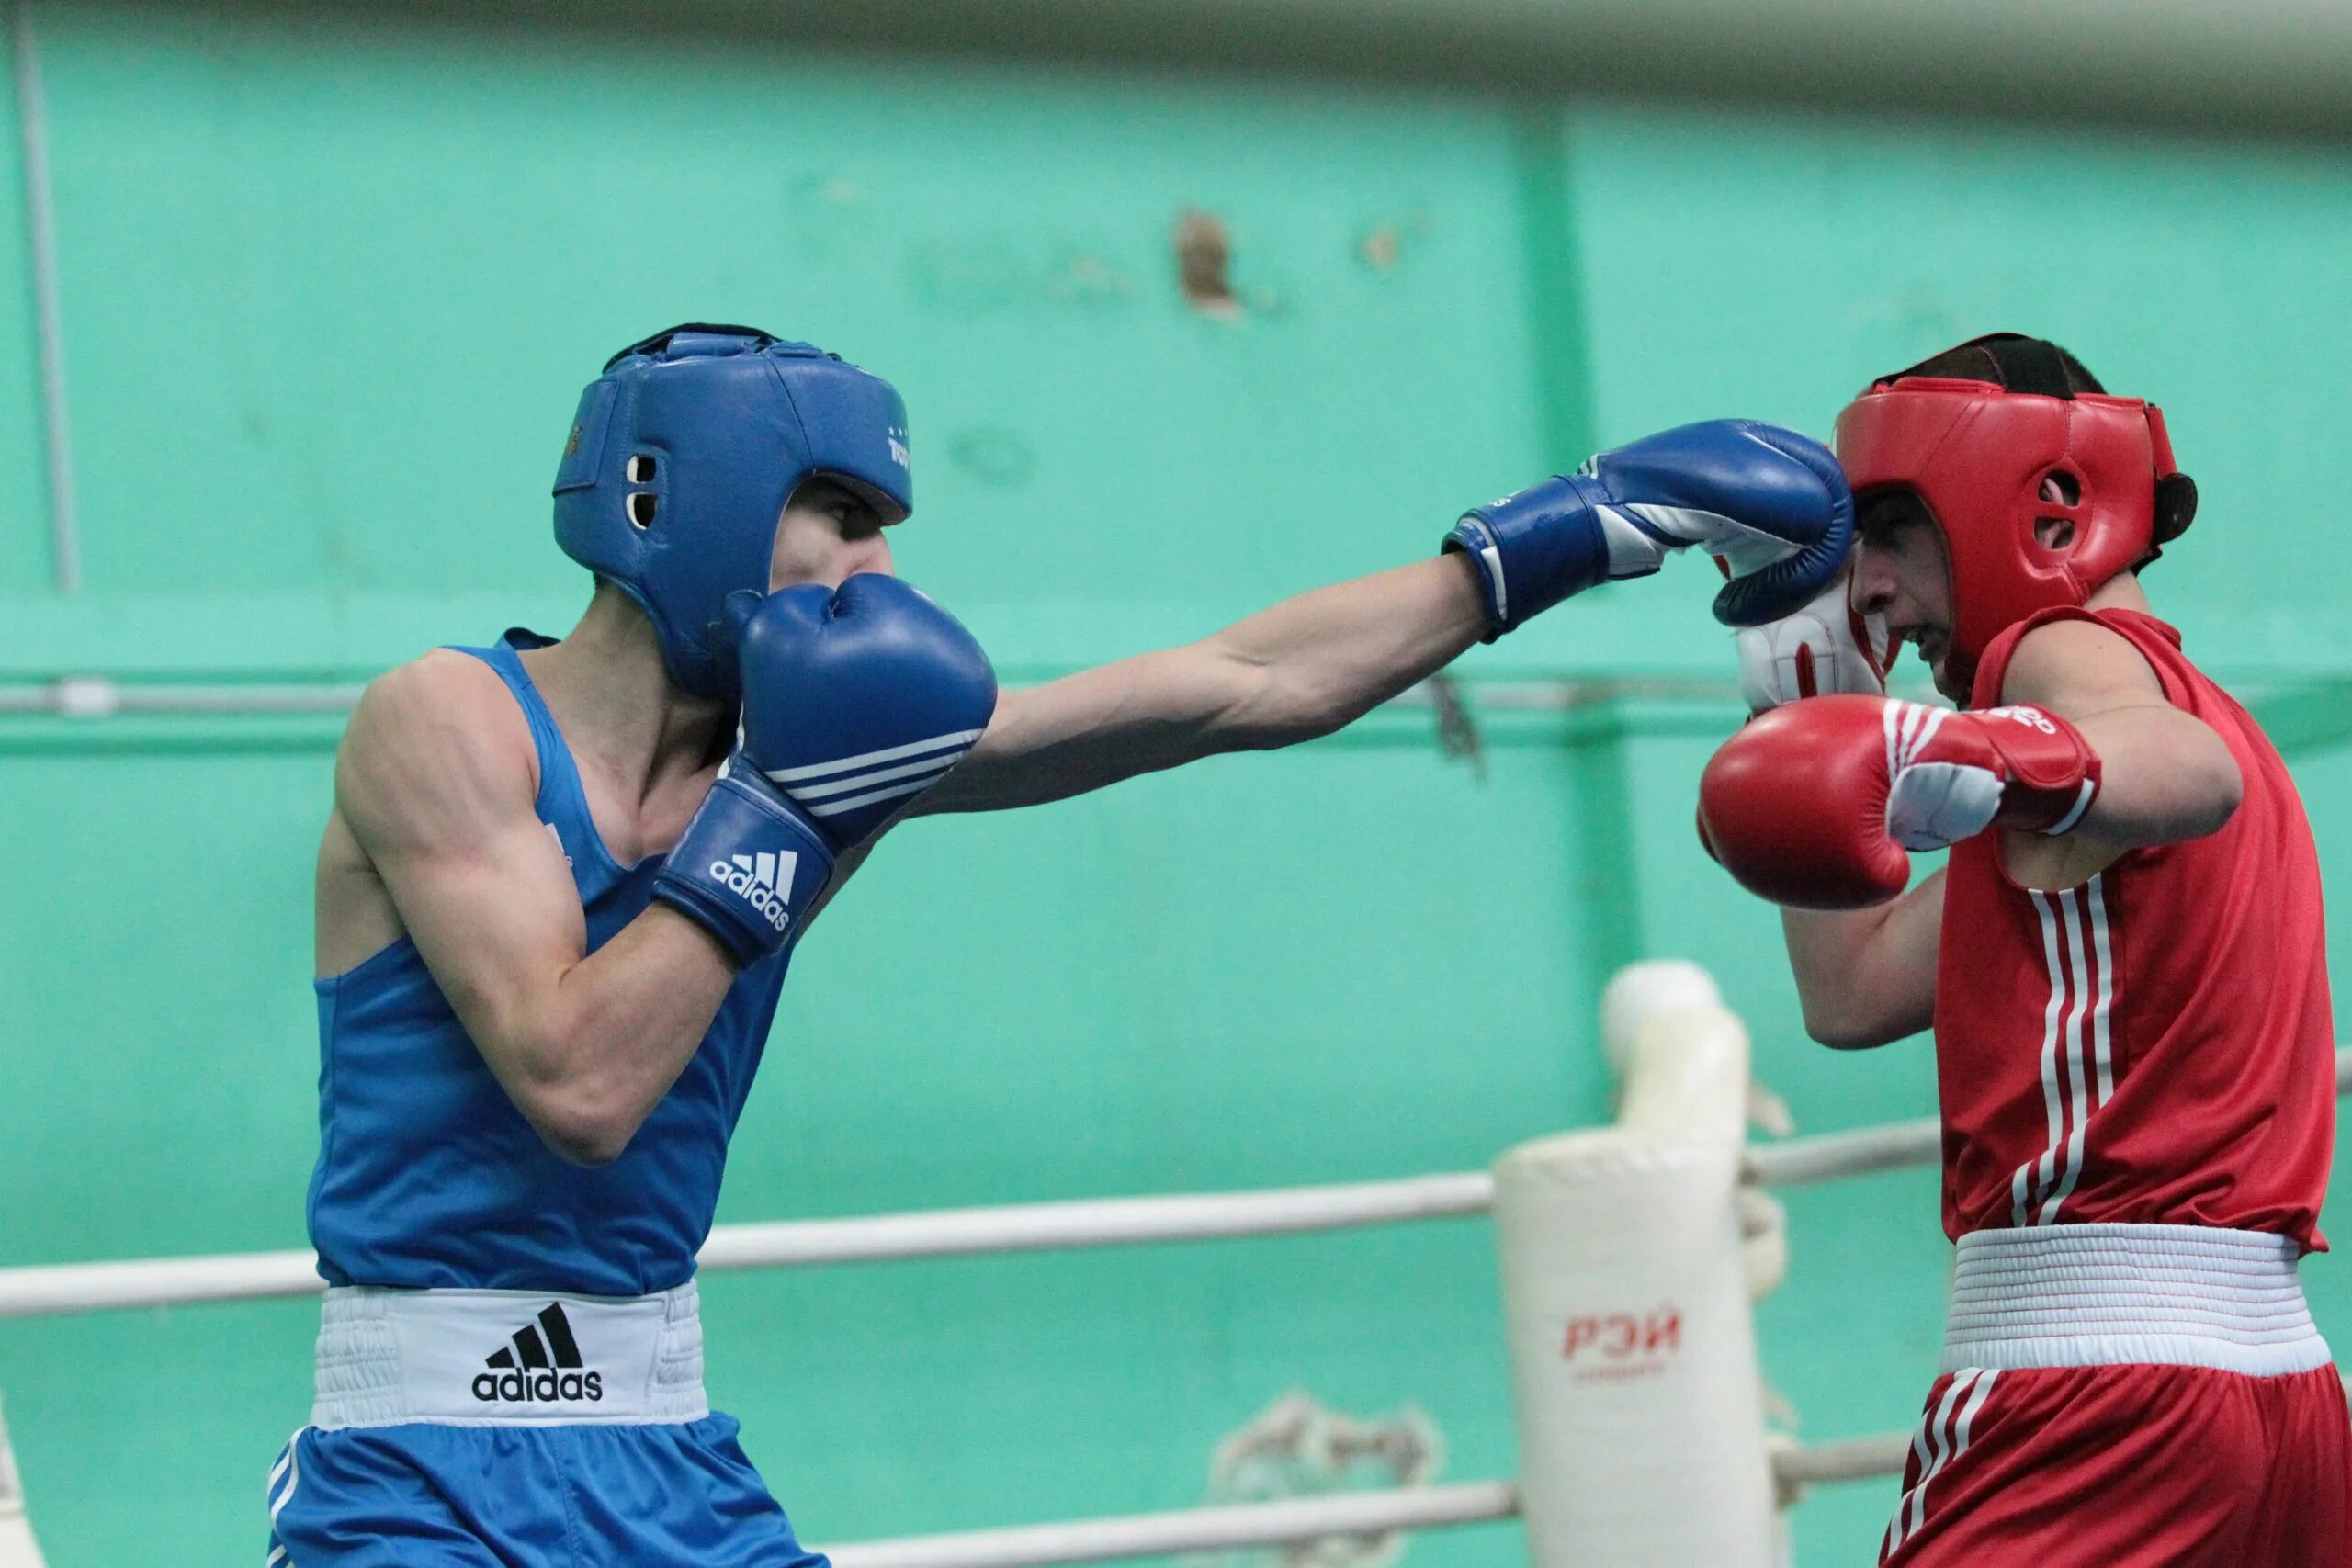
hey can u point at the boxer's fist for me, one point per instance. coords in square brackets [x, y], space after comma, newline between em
[855, 700]
[1770, 503]
[1821, 649]
[1815, 804]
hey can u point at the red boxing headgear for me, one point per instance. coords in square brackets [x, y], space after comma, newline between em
[1996, 436]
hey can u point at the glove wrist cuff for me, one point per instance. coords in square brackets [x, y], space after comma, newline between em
[1539, 547]
[748, 867]
[2051, 773]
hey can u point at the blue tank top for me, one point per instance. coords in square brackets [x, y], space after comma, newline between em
[429, 1177]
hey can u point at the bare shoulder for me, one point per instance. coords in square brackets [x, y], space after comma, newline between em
[2075, 667]
[435, 746]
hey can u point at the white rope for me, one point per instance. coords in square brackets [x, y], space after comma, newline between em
[1193, 1529]
[1828, 1156]
[1849, 1459]
[48, 1288]
[1099, 1222]
[1295, 1520]
[82, 1287]
[1890, 1145]
[97, 697]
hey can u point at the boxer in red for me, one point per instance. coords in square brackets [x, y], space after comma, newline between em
[2123, 962]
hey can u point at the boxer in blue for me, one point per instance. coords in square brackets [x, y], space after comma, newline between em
[561, 880]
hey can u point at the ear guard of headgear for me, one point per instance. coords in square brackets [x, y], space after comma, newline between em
[682, 457]
[1997, 436]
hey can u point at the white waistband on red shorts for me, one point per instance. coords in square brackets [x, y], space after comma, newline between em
[507, 1358]
[2095, 1295]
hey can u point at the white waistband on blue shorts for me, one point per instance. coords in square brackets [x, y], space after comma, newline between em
[2095, 1296]
[507, 1358]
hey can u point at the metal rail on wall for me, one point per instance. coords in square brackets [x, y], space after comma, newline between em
[100, 697]
[2301, 716]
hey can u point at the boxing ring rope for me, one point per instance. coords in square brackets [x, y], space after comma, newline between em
[48, 1288]
[1229, 1528]
[1890, 1146]
[1544, 1201]
[1865, 1151]
[98, 696]
[1846, 1459]
[1295, 1521]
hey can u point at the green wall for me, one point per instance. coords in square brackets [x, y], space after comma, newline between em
[328, 291]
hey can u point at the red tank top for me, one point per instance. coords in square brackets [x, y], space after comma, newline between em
[2156, 1045]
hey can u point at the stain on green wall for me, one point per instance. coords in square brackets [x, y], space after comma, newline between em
[329, 288]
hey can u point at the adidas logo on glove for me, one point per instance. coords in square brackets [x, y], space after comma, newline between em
[540, 1361]
[762, 881]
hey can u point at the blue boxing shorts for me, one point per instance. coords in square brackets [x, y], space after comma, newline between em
[517, 1429]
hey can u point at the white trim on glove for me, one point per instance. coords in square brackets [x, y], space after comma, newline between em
[1821, 649]
[1932, 806]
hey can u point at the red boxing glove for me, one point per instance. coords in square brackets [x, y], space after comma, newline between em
[1814, 805]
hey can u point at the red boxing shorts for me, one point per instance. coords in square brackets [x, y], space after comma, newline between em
[2128, 1396]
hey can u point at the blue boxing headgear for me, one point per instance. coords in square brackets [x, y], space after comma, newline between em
[682, 457]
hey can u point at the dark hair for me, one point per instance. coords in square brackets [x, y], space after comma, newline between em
[2011, 361]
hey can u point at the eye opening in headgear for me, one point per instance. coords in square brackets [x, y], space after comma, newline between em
[1882, 509]
[885, 507]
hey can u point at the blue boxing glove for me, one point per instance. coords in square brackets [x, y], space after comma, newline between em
[1774, 504]
[855, 700]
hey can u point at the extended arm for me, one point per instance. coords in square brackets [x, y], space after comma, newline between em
[1305, 667]
[436, 781]
[1770, 501]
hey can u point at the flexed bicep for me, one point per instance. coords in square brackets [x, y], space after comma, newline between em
[435, 782]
